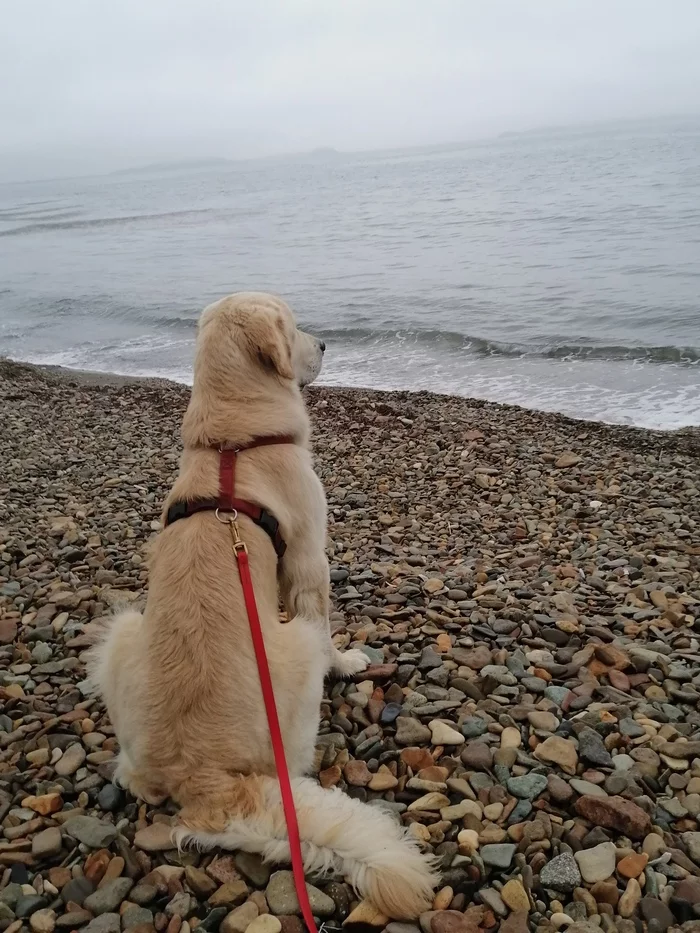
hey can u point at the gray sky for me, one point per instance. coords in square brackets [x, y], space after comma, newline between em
[92, 85]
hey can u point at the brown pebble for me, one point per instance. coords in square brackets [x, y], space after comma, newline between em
[450, 921]
[606, 892]
[615, 813]
[417, 758]
[223, 869]
[291, 924]
[357, 773]
[443, 899]
[516, 923]
[174, 924]
[632, 865]
[96, 864]
[45, 804]
[59, 876]
[619, 680]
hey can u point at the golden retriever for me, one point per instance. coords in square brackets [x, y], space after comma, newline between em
[181, 683]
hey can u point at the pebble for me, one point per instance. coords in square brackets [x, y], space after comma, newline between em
[561, 873]
[515, 895]
[543, 721]
[596, 863]
[527, 786]
[134, 917]
[265, 923]
[282, 897]
[110, 798]
[444, 734]
[366, 913]
[615, 813]
[228, 895]
[106, 923]
[477, 755]
[43, 921]
[47, 843]
[108, 896]
[154, 838]
[71, 760]
[632, 865]
[252, 867]
[90, 831]
[558, 751]
[627, 904]
[511, 738]
[238, 920]
[498, 855]
[468, 841]
[410, 731]
[45, 804]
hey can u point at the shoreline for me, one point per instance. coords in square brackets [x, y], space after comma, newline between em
[688, 437]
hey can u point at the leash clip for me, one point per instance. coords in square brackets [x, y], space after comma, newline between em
[238, 545]
[231, 519]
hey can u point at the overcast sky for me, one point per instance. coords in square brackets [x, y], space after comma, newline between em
[94, 85]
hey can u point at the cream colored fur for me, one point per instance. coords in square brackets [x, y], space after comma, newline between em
[181, 683]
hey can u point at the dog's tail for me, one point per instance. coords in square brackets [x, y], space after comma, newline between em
[339, 834]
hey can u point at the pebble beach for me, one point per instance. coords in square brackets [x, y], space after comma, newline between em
[527, 589]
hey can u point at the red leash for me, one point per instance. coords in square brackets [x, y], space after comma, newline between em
[227, 480]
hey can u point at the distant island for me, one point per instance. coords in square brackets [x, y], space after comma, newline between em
[321, 154]
[185, 165]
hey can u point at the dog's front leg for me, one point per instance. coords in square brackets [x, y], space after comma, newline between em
[304, 585]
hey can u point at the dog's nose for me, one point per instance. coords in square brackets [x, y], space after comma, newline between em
[322, 345]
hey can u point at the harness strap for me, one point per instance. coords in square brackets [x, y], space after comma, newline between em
[227, 478]
[227, 464]
[227, 501]
[261, 517]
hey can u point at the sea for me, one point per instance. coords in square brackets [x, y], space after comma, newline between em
[557, 270]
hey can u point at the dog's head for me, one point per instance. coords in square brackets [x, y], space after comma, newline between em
[255, 334]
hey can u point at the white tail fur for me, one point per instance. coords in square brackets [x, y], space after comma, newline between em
[339, 834]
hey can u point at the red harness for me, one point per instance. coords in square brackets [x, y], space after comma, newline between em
[227, 501]
[227, 508]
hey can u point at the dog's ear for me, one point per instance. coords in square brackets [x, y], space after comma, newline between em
[272, 344]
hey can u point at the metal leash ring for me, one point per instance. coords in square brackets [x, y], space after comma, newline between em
[230, 519]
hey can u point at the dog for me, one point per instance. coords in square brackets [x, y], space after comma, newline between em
[180, 682]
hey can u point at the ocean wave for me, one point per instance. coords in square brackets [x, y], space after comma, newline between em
[90, 222]
[47, 215]
[455, 341]
[182, 324]
[103, 308]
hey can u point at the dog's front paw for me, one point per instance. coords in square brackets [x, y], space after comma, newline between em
[347, 663]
